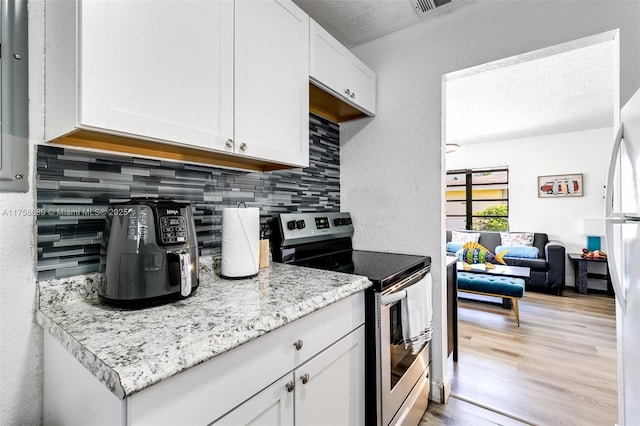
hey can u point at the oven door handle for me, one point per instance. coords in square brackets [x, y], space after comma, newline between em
[401, 288]
[388, 299]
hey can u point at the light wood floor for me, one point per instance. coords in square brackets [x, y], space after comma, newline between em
[557, 368]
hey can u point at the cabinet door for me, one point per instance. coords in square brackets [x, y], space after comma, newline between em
[271, 81]
[334, 388]
[273, 406]
[335, 69]
[158, 69]
[362, 85]
[328, 60]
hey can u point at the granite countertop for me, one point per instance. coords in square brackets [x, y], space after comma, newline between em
[130, 350]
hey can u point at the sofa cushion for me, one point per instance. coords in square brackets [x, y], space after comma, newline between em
[464, 237]
[540, 241]
[520, 251]
[516, 239]
[454, 247]
[490, 240]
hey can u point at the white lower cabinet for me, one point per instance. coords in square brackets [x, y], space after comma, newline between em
[272, 406]
[328, 390]
[308, 372]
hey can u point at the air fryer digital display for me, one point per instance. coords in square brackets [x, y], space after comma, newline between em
[173, 229]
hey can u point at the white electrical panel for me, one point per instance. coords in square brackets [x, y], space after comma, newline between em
[14, 135]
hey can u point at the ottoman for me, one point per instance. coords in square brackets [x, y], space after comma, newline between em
[493, 285]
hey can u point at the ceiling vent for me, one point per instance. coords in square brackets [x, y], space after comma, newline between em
[424, 6]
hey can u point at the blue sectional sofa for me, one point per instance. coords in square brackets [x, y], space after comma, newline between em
[547, 271]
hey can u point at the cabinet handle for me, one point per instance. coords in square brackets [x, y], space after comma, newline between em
[298, 344]
[229, 143]
[243, 146]
[305, 378]
[291, 386]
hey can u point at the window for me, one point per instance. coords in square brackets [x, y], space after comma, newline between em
[478, 199]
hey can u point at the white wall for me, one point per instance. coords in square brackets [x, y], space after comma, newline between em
[585, 152]
[392, 166]
[20, 337]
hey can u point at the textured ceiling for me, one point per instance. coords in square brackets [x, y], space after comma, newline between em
[565, 92]
[354, 22]
[569, 90]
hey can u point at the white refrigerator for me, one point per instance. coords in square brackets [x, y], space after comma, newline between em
[622, 236]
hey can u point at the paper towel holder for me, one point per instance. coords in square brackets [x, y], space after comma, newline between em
[240, 246]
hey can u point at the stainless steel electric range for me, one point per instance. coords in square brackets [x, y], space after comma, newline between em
[397, 379]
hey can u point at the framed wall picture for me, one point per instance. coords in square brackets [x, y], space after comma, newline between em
[560, 186]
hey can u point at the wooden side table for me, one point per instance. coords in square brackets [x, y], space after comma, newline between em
[580, 265]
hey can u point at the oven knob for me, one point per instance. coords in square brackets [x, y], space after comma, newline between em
[291, 225]
[347, 221]
[337, 222]
[300, 224]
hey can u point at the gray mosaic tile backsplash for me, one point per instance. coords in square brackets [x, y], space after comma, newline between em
[75, 187]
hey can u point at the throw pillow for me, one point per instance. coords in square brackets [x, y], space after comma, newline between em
[464, 237]
[519, 251]
[517, 239]
[453, 247]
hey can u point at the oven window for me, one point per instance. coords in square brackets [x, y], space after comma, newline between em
[400, 356]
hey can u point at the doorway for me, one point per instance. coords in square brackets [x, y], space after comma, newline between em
[550, 111]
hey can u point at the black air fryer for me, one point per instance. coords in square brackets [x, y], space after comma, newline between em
[151, 252]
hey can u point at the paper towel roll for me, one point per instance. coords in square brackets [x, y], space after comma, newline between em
[240, 242]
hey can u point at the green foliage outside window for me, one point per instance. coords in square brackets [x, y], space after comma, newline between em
[492, 223]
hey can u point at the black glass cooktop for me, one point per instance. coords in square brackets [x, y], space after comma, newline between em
[383, 269]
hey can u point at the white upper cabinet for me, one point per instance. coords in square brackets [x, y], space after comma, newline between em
[338, 71]
[362, 85]
[228, 77]
[329, 60]
[158, 69]
[272, 77]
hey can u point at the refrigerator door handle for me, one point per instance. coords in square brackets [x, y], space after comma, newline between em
[615, 154]
[614, 272]
[611, 218]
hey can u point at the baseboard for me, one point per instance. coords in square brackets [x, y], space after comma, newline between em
[440, 391]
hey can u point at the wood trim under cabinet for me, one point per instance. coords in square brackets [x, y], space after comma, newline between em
[126, 145]
[330, 107]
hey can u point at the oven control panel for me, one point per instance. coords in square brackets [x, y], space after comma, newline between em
[322, 223]
[300, 228]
